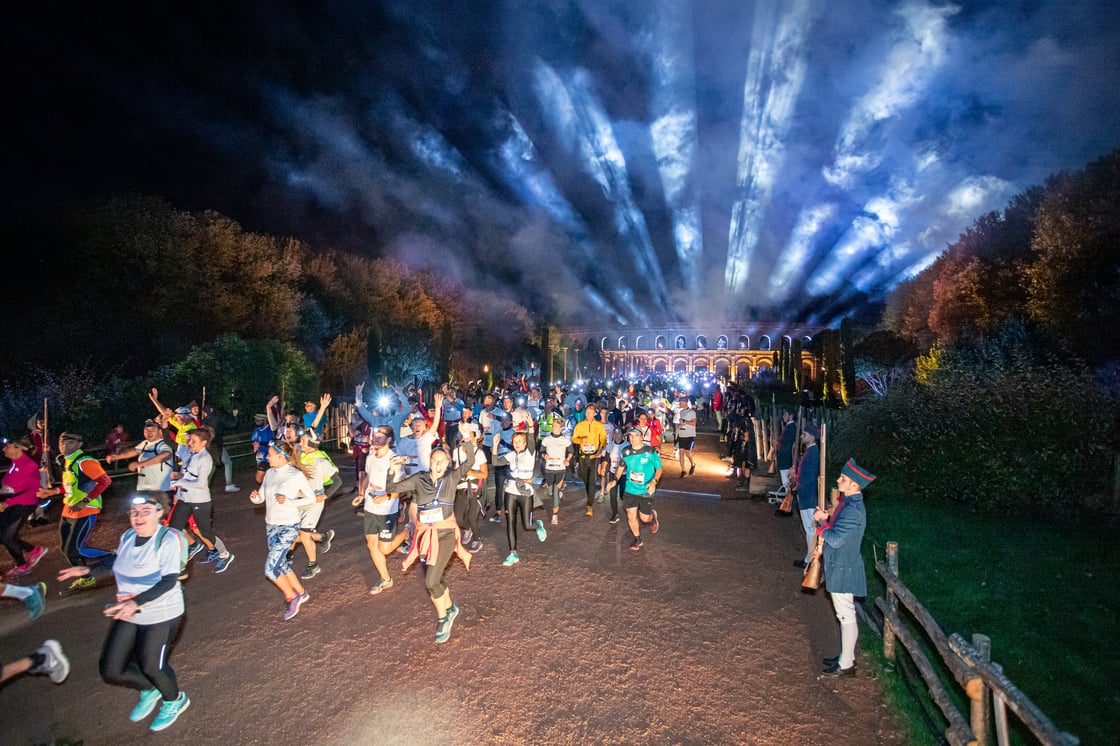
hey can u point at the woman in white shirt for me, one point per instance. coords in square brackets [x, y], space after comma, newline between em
[147, 613]
[285, 489]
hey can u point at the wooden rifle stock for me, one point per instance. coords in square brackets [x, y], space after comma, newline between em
[812, 578]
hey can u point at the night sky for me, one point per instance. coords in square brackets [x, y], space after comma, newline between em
[623, 161]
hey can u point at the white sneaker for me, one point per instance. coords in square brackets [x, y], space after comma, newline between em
[232, 488]
[554, 521]
[56, 664]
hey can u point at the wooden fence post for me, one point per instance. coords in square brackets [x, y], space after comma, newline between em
[892, 602]
[978, 692]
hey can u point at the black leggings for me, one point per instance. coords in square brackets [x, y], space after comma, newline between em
[589, 475]
[466, 514]
[135, 655]
[433, 573]
[181, 516]
[513, 502]
[616, 493]
[11, 521]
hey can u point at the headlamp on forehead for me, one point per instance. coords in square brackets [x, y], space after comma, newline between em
[145, 500]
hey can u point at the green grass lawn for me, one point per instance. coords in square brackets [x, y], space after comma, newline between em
[1046, 593]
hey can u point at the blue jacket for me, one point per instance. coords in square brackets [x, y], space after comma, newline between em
[810, 470]
[843, 563]
[785, 446]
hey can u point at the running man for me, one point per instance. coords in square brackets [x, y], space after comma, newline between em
[589, 439]
[641, 466]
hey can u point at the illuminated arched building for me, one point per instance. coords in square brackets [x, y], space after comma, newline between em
[737, 350]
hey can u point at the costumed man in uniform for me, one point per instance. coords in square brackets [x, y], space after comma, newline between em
[843, 563]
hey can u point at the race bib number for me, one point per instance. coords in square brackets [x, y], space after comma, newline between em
[431, 515]
[554, 462]
[636, 477]
[588, 448]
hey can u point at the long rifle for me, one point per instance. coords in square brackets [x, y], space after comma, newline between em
[813, 571]
[786, 508]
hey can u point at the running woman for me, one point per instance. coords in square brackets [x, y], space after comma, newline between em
[147, 613]
[17, 501]
[327, 481]
[437, 533]
[194, 501]
[616, 488]
[519, 495]
[285, 489]
[556, 448]
[641, 466]
[467, 503]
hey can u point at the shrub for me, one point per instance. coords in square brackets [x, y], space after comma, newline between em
[991, 423]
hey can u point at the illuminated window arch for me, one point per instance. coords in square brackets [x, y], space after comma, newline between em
[806, 341]
[764, 342]
[721, 342]
[603, 343]
[659, 343]
[701, 342]
[638, 342]
[622, 343]
[680, 343]
[744, 342]
[680, 366]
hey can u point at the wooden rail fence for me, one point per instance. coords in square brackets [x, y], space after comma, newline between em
[990, 693]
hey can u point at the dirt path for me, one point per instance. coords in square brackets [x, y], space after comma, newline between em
[702, 637]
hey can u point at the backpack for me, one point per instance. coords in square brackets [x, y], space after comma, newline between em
[162, 531]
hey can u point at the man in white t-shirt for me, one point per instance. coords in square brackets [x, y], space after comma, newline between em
[380, 506]
[686, 436]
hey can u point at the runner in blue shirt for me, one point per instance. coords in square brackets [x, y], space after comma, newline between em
[641, 465]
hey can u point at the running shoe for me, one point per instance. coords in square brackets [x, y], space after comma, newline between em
[37, 601]
[382, 585]
[225, 562]
[615, 519]
[511, 559]
[325, 542]
[211, 556]
[636, 544]
[588, 512]
[55, 663]
[149, 698]
[541, 533]
[293, 608]
[18, 571]
[169, 712]
[405, 546]
[599, 496]
[742, 487]
[312, 570]
[496, 519]
[554, 520]
[654, 524]
[443, 630]
[692, 468]
[681, 476]
[36, 554]
[232, 488]
[194, 549]
[451, 614]
[474, 546]
[83, 583]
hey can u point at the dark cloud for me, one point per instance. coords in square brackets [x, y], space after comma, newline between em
[534, 150]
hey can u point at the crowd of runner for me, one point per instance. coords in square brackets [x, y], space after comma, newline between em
[426, 480]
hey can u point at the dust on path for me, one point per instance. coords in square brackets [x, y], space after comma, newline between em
[701, 637]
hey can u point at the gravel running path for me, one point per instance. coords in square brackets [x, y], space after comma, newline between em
[701, 637]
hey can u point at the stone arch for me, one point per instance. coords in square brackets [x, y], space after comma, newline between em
[638, 342]
[701, 342]
[603, 343]
[744, 342]
[764, 342]
[721, 342]
[680, 343]
[659, 343]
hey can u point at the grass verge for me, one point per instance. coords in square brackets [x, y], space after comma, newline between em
[1042, 591]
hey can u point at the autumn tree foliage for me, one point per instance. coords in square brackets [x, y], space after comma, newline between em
[1050, 256]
